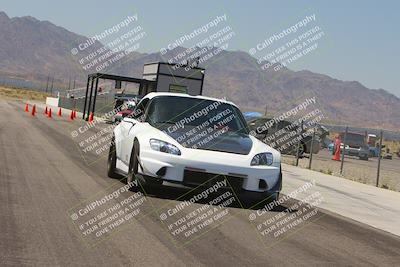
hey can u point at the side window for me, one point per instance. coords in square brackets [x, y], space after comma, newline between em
[139, 111]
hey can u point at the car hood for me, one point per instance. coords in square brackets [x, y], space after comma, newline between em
[218, 140]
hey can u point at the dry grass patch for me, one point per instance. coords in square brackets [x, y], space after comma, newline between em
[16, 93]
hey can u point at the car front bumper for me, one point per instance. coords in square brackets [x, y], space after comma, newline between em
[235, 167]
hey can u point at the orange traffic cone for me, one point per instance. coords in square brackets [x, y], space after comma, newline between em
[71, 117]
[33, 110]
[74, 114]
[91, 117]
[26, 108]
[336, 156]
[49, 113]
[45, 111]
[336, 148]
[59, 112]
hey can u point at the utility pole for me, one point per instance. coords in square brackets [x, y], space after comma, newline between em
[69, 83]
[344, 149]
[52, 83]
[47, 84]
[300, 137]
[379, 159]
[311, 148]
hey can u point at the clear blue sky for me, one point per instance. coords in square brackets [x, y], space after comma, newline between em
[361, 40]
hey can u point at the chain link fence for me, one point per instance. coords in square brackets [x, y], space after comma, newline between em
[369, 156]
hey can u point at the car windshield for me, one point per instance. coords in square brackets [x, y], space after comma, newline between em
[194, 112]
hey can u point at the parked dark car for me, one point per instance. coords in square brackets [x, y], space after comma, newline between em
[356, 145]
[255, 125]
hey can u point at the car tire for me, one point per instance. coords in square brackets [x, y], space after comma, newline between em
[257, 200]
[275, 197]
[112, 161]
[134, 162]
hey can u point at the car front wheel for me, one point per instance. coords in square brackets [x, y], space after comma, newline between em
[112, 159]
[134, 162]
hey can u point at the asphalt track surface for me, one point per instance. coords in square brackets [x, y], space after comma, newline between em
[43, 175]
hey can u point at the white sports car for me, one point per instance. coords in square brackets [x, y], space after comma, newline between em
[173, 138]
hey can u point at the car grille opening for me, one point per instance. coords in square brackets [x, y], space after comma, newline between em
[195, 178]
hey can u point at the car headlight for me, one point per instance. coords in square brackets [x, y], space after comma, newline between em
[162, 146]
[262, 159]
